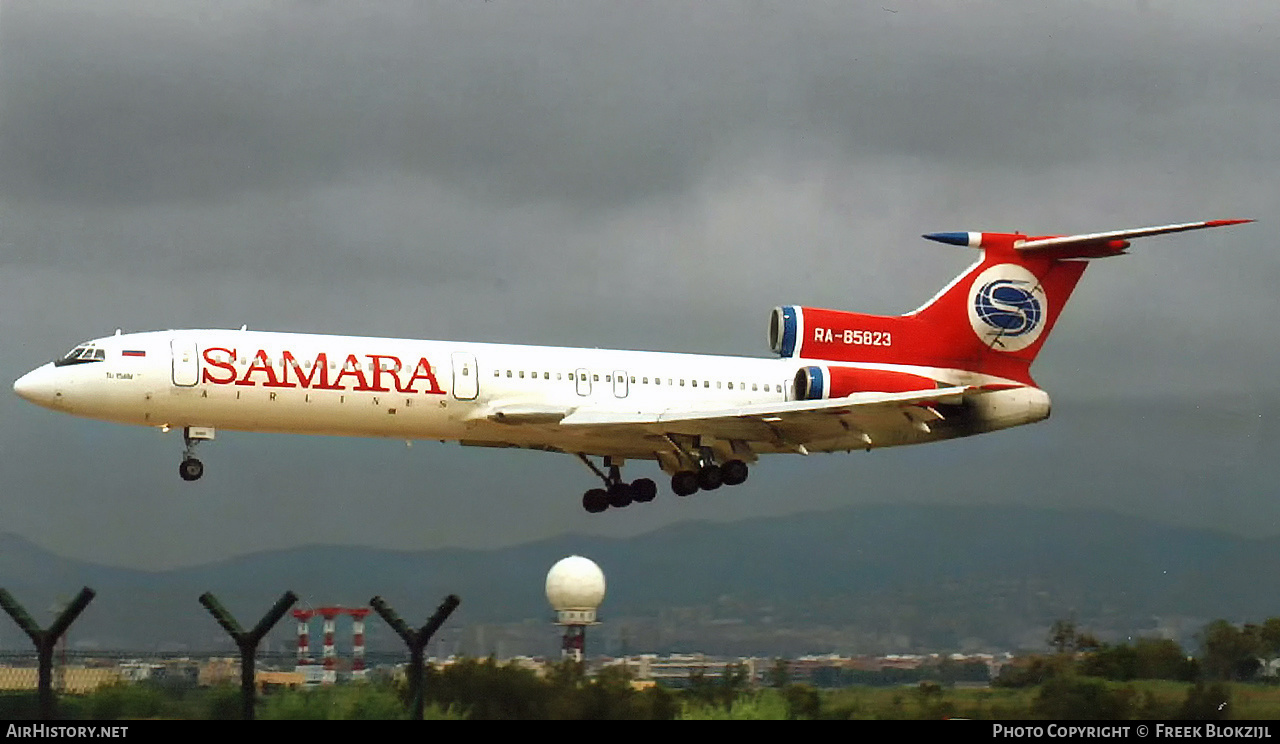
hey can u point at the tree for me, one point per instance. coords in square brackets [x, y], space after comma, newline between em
[704, 689]
[779, 673]
[1062, 636]
[1206, 702]
[1083, 699]
[1066, 638]
[1147, 658]
[802, 702]
[1269, 640]
[1231, 653]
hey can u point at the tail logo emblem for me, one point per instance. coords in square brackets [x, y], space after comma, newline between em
[1007, 307]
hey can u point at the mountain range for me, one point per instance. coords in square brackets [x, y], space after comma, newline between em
[872, 579]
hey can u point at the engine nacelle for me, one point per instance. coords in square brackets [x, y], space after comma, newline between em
[827, 381]
[818, 333]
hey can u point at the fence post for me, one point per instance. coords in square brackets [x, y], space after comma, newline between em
[417, 642]
[247, 642]
[46, 640]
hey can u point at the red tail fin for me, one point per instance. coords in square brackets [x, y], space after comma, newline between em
[993, 318]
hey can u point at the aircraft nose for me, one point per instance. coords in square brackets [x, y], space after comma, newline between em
[37, 386]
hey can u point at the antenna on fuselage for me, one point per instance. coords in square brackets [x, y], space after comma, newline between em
[244, 327]
[117, 331]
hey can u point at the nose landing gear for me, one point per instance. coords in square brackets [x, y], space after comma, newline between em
[190, 469]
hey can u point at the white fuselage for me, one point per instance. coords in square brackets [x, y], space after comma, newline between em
[478, 394]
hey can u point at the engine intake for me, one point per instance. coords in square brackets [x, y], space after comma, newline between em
[785, 325]
[810, 384]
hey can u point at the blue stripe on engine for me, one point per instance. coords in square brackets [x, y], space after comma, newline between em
[788, 331]
[816, 383]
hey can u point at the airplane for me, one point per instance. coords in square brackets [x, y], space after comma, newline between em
[957, 366]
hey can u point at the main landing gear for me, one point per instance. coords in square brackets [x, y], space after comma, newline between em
[616, 492]
[191, 469]
[698, 472]
[709, 477]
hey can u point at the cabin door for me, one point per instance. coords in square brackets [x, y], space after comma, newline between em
[186, 366]
[466, 379]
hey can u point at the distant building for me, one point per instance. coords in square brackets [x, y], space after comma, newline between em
[73, 679]
[677, 670]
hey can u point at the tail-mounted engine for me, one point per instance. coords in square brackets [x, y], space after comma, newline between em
[827, 381]
[818, 333]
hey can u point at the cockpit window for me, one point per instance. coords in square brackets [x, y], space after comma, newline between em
[81, 355]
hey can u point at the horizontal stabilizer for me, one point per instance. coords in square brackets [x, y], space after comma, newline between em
[1089, 245]
[1114, 238]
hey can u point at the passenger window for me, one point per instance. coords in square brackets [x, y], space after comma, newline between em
[595, 378]
[522, 374]
[508, 373]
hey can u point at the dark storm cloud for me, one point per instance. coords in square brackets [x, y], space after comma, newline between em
[595, 104]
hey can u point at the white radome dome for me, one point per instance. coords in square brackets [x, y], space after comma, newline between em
[575, 583]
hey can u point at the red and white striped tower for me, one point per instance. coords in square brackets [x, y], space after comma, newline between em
[357, 641]
[304, 637]
[330, 614]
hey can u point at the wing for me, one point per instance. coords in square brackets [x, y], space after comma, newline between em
[858, 420]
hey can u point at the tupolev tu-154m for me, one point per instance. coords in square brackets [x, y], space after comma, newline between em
[959, 365]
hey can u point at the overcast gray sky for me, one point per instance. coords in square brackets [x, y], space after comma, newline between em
[652, 175]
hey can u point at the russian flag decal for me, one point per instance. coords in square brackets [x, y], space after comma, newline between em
[133, 353]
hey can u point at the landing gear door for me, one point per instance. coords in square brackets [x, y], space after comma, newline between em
[186, 365]
[466, 380]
